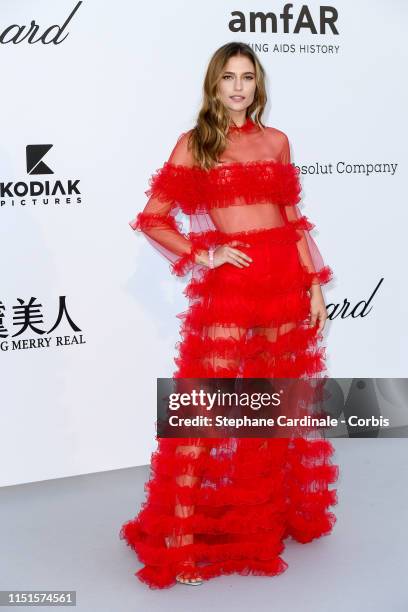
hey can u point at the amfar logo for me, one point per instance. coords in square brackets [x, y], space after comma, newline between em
[17, 33]
[274, 22]
[23, 193]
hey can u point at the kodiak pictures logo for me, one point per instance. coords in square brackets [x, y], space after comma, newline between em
[39, 192]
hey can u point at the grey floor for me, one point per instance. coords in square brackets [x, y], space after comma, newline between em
[63, 534]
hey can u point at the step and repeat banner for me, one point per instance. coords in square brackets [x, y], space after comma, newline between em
[94, 97]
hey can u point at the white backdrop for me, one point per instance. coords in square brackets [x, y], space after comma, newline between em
[112, 98]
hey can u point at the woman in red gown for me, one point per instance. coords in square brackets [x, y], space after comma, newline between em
[256, 309]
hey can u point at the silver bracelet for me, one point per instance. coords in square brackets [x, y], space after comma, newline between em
[211, 256]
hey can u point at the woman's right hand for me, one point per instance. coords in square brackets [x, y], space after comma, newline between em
[227, 253]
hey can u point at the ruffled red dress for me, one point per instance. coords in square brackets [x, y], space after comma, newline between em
[229, 504]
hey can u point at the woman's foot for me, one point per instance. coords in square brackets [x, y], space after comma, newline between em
[190, 574]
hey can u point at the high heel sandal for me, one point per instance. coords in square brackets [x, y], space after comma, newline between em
[191, 570]
[195, 578]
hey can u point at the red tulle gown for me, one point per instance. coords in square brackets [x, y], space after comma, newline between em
[229, 504]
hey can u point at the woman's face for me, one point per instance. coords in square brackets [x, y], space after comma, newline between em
[237, 84]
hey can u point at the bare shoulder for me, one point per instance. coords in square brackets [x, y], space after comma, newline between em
[181, 153]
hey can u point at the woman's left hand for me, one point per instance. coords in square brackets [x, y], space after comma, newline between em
[317, 308]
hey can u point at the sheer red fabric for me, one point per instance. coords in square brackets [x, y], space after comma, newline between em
[228, 504]
[254, 186]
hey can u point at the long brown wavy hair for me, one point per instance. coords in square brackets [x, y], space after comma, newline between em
[208, 137]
